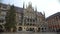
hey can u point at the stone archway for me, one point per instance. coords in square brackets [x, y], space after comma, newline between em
[20, 29]
[30, 29]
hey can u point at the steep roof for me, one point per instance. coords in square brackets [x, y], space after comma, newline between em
[52, 16]
[19, 9]
[39, 14]
[3, 4]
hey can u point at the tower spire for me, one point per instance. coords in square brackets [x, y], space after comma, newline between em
[44, 15]
[23, 5]
[29, 5]
[36, 12]
[36, 8]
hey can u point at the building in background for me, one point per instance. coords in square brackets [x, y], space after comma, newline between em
[54, 22]
[27, 18]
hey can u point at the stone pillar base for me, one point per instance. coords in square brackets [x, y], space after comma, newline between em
[23, 29]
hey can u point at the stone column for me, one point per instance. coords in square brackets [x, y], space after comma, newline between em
[35, 28]
[17, 29]
[23, 28]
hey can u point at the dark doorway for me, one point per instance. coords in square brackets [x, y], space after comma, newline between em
[58, 30]
[20, 29]
[1, 28]
[38, 29]
[30, 29]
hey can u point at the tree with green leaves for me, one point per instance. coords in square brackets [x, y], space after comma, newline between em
[11, 19]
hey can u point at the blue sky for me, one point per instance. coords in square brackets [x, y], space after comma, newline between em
[48, 6]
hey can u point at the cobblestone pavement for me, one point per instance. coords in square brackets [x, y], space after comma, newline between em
[29, 33]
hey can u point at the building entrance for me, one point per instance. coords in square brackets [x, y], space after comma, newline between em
[1, 28]
[20, 29]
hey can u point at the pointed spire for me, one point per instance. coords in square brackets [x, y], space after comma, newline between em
[26, 5]
[23, 5]
[8, 6]
[36, 8]
[30, 5]
[43, 13]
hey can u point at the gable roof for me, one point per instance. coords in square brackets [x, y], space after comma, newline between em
[52, 16]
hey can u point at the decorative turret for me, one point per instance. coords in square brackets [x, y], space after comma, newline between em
[23, 5]
[36, 9]
[44, 14]
[30, 5]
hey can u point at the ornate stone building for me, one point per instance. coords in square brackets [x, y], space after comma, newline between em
[54, 22]
[27, 18]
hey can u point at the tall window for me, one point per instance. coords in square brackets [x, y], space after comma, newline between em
[59, 17]
[19, 18]
[3, 13]
[33, 20]
[30, 20]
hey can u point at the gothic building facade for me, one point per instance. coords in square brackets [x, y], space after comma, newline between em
[27, 18]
